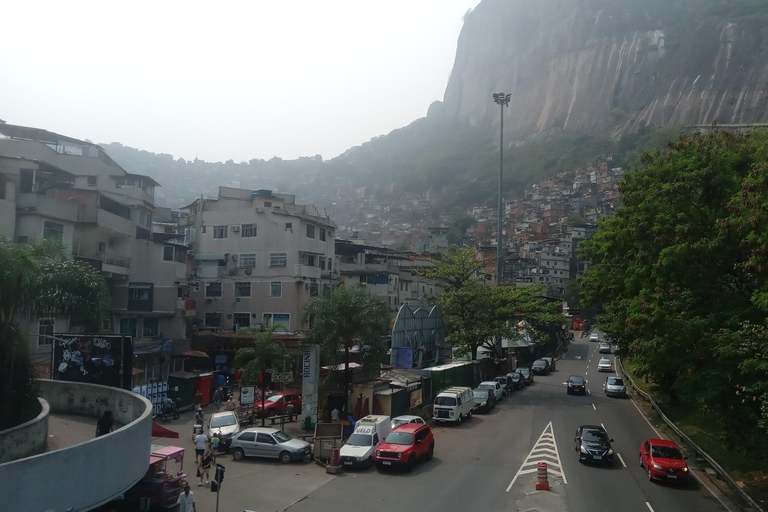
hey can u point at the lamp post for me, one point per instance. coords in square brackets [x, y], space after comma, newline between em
[502, 100]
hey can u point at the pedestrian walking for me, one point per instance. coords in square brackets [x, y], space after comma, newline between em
[198, 399]
[186, 500]
[105, 424]
[205, 468]
[217, 396]
[201, 440]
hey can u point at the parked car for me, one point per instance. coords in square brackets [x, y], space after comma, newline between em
[593, 444]
[614, 386]
[275, 404]
[663, 460]
[270, 443]
[493, 385]
[540, 367]
[405, 445]
[605, 365]
[485, 399]
[594, 337]
[551, 362]
[454, 404]
[369, 432]
[576, 384]
[605, 348]
[507, 385]
[518, 380]
[406, 418]
[226, 425]
[527, 375]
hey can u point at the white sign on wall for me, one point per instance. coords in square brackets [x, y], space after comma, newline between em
[310, 377]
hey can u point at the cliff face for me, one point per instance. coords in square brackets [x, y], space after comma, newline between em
[606, 65]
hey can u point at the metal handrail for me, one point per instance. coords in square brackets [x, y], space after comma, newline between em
[696, 448]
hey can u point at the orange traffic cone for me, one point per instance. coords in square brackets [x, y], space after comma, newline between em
[542, 484]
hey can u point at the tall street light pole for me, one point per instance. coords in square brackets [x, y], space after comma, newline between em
[502, 100]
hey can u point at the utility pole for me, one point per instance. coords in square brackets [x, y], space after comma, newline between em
[282, 397]
[502, 100]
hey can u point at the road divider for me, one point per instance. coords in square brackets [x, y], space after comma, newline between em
[545, 450]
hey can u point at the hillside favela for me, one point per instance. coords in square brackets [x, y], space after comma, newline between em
[545, 292]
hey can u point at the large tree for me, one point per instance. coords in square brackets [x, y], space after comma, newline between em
[679, 270]
[38, 280]
[476, 313]
[343, 318]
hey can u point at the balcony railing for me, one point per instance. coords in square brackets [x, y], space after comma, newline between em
[117, 260]
[306, 272]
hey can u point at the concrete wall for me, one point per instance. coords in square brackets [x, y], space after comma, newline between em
[88, 474]
[27, 439]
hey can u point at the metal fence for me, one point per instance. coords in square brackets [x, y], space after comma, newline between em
[687, 440]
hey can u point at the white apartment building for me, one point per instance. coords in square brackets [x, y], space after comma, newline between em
[53, 186]
[258, 259]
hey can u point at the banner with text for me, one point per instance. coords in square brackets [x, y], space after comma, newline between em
[310, 380]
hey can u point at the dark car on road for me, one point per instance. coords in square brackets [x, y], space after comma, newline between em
[540, 367]
[527, 375]
[576, 384]
[485, 400]
[551, 362]
[518, 381]
[506, 383]
[593, 444]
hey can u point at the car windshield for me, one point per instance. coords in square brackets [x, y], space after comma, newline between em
[223, 421]
[523, 371]
[576, 380]
[397, 422]
[360, 440]
[274, 398]
[540, 363]
[281, 437]
[482, 393]
[615, 381]
[667, 452]
[445, 400]
[400, 438]
[605, 361]
[594, 436]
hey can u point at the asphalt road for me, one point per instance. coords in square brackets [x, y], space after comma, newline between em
[475, 463]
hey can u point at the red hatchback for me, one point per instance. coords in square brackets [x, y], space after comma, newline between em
[405, 445]
[276, 404]
[663, 460]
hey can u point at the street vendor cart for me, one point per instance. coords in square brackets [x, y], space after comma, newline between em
[163, 481]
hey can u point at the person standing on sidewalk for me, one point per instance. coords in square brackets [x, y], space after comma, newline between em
[217, 396]
[198, 399]
[201, 440]
[186, 500]
[205, 468]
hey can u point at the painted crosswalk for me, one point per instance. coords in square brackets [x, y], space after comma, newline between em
[545, 450]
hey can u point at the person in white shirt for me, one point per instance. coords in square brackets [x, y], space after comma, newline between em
[335, 414]
[201, 440]
[186, 500]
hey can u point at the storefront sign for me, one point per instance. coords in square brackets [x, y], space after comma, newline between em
[310, 377]
[246, 395]
[95, 359]
[416, 399]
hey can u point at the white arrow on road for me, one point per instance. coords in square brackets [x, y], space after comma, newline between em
[545, 450]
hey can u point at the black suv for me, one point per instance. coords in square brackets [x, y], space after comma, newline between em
[540, 367]
[576, 384]
[593, 444]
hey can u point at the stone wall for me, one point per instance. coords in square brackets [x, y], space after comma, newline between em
[26, 439]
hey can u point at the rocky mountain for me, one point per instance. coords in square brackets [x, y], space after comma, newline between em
[595, 66]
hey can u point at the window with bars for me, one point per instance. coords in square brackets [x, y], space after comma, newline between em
[213, 290]
[314, 289]
[248, 230]
[247, 260]
[278, 259]
[322, 234]
[240, 320]
[212, 319]
[219, 231]
[45, 329]
[151, 327]
[310, 231]
[243, 289]
[53, 230]
[276, 289]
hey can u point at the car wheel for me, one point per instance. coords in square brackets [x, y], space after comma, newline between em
[285, 457]
[271, 413]
[431, 452]
[238, 454]
[469, 415]
[461, 418]
[650, 476]
[568, 391]
[641, 461]
[411, 463]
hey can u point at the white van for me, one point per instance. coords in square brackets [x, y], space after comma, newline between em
[369, 432]
[454, 404]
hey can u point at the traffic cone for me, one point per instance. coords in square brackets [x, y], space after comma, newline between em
[542, 484]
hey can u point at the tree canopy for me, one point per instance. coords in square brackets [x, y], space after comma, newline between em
[680, 272]
[475, 313]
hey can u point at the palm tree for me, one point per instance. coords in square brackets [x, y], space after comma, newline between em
[38, 280]
[344, 317]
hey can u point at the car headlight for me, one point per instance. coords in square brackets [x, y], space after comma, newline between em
[483, 404]
[360, 459]
[399, 455]
[378, 453]
[610, 452]
[582, 449]
[685, 469]
[656, 466]
[451, 413]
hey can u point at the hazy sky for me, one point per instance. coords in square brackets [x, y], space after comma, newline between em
[227, 80]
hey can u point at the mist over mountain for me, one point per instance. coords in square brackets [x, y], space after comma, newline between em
[587, 78]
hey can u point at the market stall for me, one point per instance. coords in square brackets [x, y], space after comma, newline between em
[164, 479]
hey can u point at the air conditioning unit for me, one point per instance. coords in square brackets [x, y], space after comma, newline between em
[236, 229]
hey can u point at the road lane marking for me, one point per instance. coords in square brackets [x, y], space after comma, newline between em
[545, 450]
[622, 460]
[588, 391]
[645, 418]
[593, 406]
[606, 430]
[649, 506]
